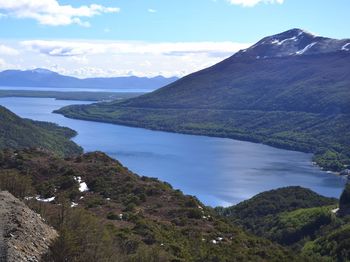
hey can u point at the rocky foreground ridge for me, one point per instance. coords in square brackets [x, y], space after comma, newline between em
[24, 236]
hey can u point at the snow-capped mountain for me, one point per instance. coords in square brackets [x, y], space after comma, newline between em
[295, 42]
[290, 71]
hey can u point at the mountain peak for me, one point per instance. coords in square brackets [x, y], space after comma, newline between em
[295, 32]
[294, 42]
[42, 71]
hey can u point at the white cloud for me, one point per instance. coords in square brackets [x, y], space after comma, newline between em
[90, 58]
[6, 50]
[2, 63]
[78, 48]
[251, 3]
[152, 10]
[50, 12]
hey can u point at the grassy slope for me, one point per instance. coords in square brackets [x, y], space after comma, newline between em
[157, 222]
[22, 133]
[296, 103]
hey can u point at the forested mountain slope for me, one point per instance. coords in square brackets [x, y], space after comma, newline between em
[296, 217]
[102, 211]
[16, 133]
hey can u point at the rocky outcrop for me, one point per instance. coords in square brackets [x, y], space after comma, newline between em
[24, 236]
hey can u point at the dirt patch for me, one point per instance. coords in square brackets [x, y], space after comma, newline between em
[24, 236]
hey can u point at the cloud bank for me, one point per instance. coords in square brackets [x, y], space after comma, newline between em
[115, 58]
[79, 48]
[50, 12]
[6, 50]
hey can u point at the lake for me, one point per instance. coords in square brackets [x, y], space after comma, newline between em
[218, 171]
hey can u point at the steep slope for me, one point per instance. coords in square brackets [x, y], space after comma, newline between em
[24, 236]
[290, 90]
[104, 211]
[16, 132]
[46, 78]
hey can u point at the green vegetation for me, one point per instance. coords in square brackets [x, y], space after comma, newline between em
[142, 219]
[16, 133]
[71, 95]
[269, 213]
[297, 218]
[126, 216]
[299, 103]
[334, 246]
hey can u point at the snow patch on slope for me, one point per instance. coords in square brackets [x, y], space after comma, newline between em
[82, 185]
[278, 42]
[300, 52]
[345, 47]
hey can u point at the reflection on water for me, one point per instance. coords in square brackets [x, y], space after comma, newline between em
[218, 171]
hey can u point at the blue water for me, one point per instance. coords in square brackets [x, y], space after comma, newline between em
[218, 171]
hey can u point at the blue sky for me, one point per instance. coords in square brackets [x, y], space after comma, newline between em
[41, 29]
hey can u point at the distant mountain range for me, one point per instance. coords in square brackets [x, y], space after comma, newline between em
[45, 78]
[290, 90]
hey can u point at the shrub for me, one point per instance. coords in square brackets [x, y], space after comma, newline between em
[46, 189]
[112, 216]
[18, 185]
[194, 213]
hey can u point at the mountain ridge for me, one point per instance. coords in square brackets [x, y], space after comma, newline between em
[294, 42]
[41, 77]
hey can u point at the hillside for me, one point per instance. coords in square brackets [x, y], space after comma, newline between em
[259, 214]
[16, 133]
[103, 211]
[298, 218]
[46, 78]
[24, 236]
[290, 90]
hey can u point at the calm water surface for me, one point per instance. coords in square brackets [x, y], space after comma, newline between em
[218, 171]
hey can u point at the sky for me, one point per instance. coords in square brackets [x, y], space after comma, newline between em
[88, 38]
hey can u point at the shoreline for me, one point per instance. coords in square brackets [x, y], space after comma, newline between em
[337, 173]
